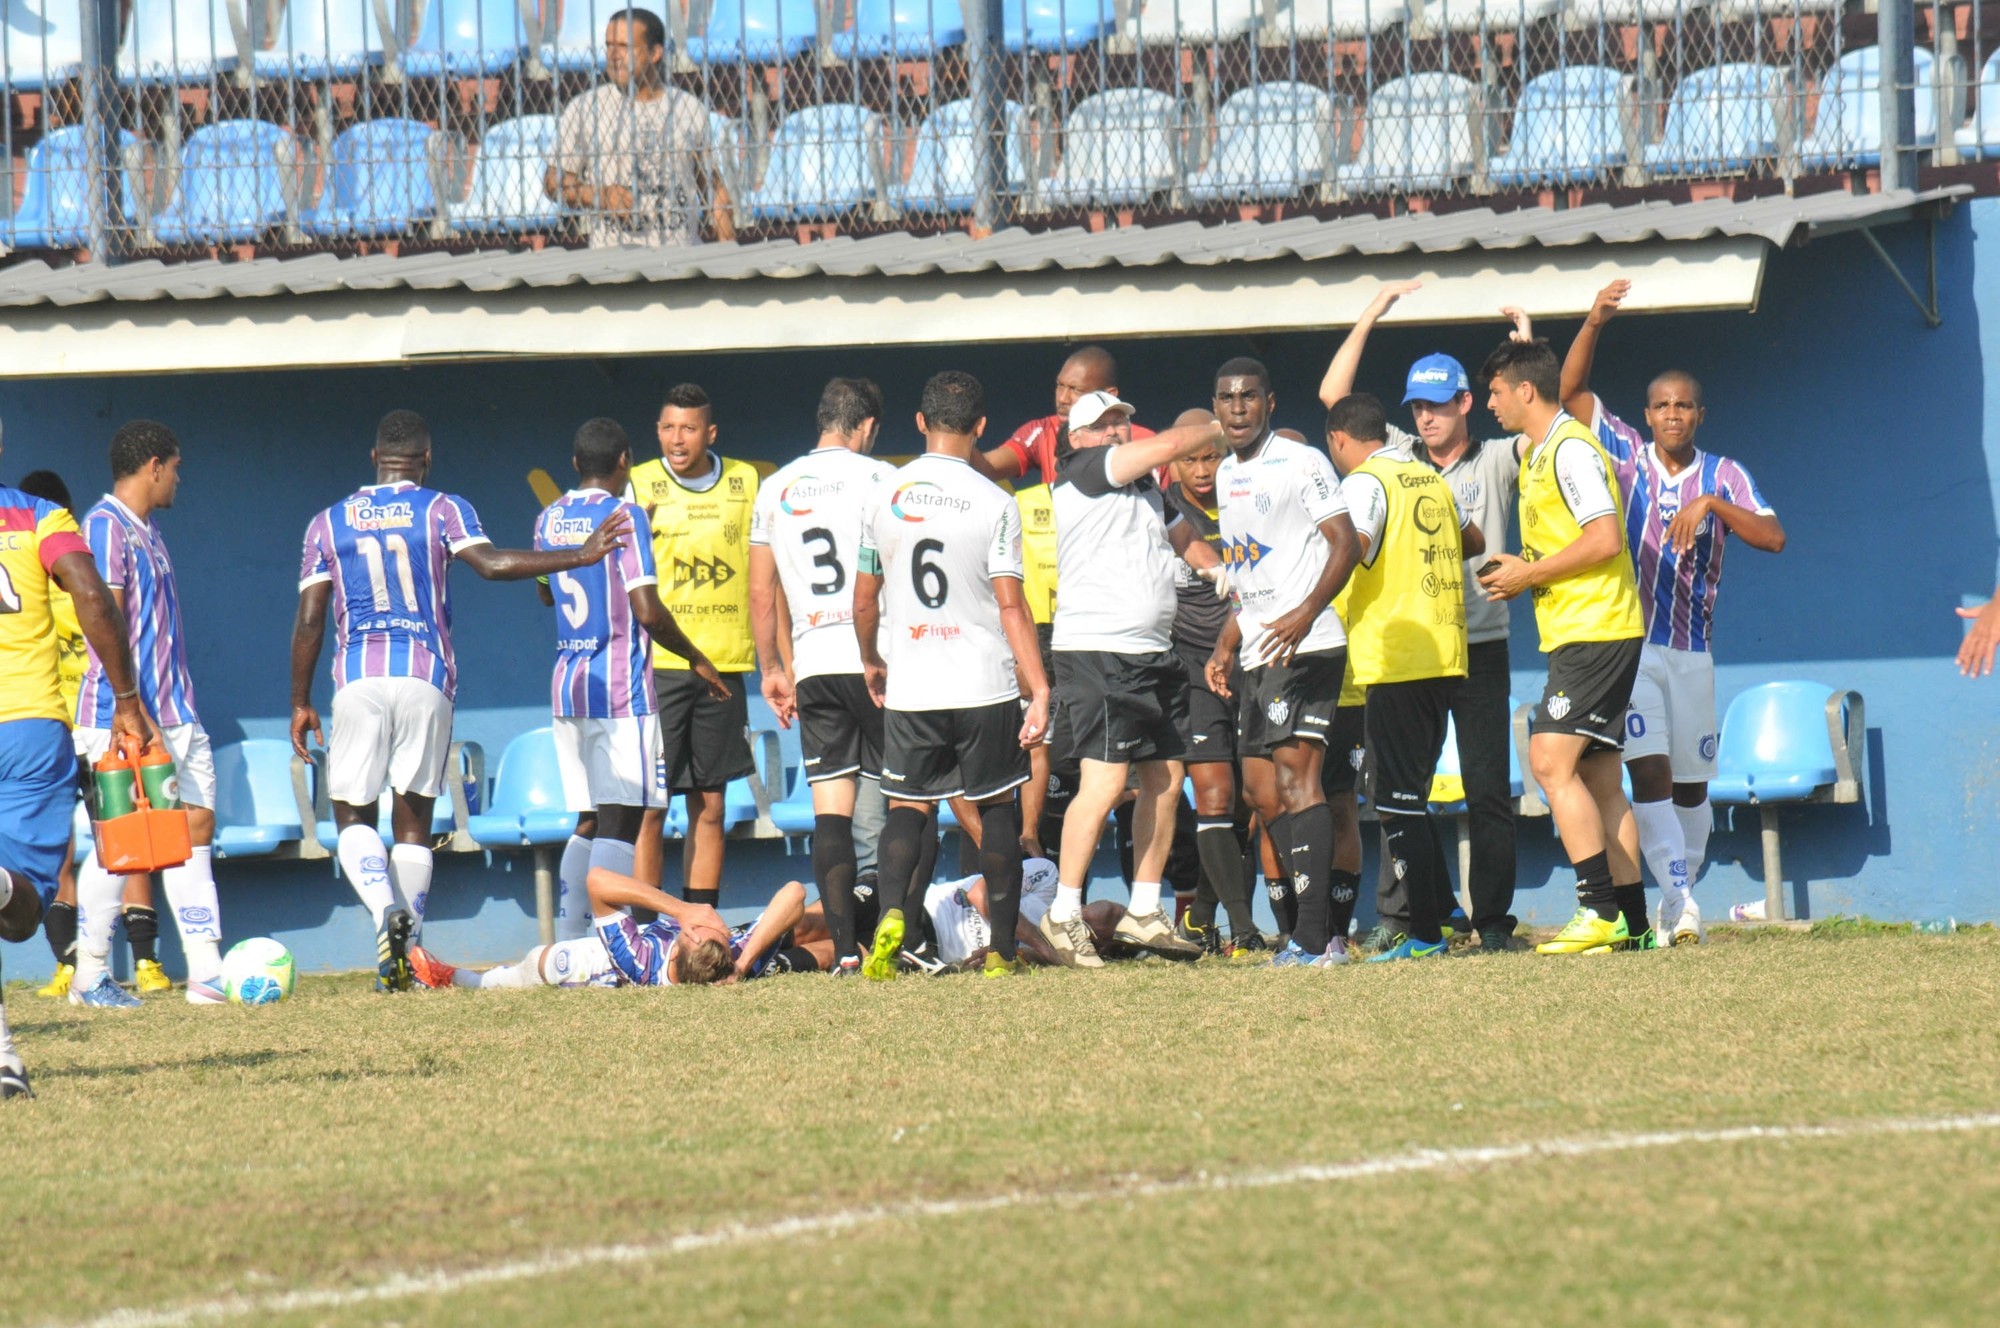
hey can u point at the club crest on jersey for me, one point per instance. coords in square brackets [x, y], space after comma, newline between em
[1263, 504]
[1357, 757]
[920, 500]
[367, 514]
[1278, 710]
[736, 484]
[1247, 552]
[1558, 706]
[1468, 493]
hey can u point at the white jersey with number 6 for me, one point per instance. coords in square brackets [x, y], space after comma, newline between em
[937, 534]
[809, 515]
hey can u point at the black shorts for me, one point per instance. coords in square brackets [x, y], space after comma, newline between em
[1280, 702]
[1406, 723]
[930, 755]
[1123, 707]
[1589, 686]
[1209, 734]
[704, 742]
[840, 727]
[1346, 751]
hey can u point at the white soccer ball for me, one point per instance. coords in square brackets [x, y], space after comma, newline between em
[257, 972]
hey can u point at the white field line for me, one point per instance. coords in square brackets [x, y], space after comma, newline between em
[402, 1286]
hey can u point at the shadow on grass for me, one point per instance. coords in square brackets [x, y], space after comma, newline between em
[220, 1060]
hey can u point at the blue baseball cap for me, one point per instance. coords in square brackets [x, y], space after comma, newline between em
[1435, 378]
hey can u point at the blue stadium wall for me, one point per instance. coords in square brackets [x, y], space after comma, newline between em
[1877, 440]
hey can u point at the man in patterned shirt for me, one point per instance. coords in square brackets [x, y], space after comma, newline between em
[1680, 502]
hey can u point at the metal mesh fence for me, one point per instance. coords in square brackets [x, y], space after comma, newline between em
[272, 126]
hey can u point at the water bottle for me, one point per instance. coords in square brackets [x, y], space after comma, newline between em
[1751, 912]
[160, 779]
[1937, 926]
[113, 782]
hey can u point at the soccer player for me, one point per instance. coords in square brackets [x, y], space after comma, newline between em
[1680, 502]
[1289, 547]
[1127, 693]
[607, 743]
[805, 537]
[131, 556]
[1221, 835]
[700, 505]
[1484, 475]
[1573, 559]
[43, 549]
[1404, 610]
[940, 577]
[379, 559]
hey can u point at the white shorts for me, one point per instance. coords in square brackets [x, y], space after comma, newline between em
[1673, 712]
[194, 765]
[393, 731]
[611, 762]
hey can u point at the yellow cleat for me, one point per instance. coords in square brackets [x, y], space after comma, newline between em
[1586, 933]
[880, 966]
[996, 967]
[58, 987]
[148, 977]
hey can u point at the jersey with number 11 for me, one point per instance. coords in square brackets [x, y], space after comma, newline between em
[387, 549]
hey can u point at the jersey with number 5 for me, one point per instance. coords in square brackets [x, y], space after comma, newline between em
[937, 534]
[386, 549]
[809, 515]
[602, 669]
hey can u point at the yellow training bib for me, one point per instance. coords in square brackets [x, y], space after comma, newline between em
[1599, 603]
[1038, 551]
[1405, 611]
[701, 545]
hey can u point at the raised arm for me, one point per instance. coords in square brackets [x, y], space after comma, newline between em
[1577, 398]
[522, 564]
[308, 636]
[1143, 456]
[1339, 380]
[103, 626]
[611, 891]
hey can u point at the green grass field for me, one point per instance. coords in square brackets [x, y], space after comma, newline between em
[1138, 1134]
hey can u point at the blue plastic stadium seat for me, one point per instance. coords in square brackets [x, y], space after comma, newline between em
[904, 29]
[1417, 136]
[256, 810]
[1847, 130]
[1720, 121]
[1055, 25]
[1778, 745]
[324, 39]
[55, 205]
[1569, 128]
[1120, 147]
[1981, 137]
[1441, 16]
[793, 814]
[41, 42]
[506, 193]
[1343, 18]
[1274, 140]
[178, 41]
[528, 805]
[825, 161]
[757, 31]
[578, 42]
[234, 183]
[942, 171]
[379, 182]
[467, 38]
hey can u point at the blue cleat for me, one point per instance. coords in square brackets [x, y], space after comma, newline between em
[106, 995]
[1410, 948]
[1293, 956]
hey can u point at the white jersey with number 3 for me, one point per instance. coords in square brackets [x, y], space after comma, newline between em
[809, 515]
[938, 533]
[1272, 506]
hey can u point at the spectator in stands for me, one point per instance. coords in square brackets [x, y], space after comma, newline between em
[1975, 653]
[700, 505]
[633, 154]
[1484, 477]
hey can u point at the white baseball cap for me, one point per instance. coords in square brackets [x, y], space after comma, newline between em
[1094, 406]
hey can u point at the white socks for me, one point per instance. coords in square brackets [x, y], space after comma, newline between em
[610, 854]
[1069, 903]
[366, 863]
[1696, 822]
[1145, 897]
[99, 902]
[572, 896]
[190, 891]
[1660, 842]
[410, 877]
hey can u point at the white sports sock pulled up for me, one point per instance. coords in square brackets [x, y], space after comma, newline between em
[1660, 844]
[410, 868]
[572, 895]
[1145, 897]
[190, 891]
[100, 900]
[365, 862]
[1696, 822]
[1069, 903]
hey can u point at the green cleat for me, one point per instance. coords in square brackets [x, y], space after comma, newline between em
[1586, 933]
[881, 965]
[996, 967]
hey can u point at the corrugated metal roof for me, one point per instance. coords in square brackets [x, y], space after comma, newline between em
[1779, 219]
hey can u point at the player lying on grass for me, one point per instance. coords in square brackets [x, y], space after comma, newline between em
[687, 945]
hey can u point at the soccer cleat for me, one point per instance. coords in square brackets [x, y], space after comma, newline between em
[59, 984]
[888, 943]
[429, 970]
[1495, 940]
[1687, 928]
[849, 967]
[14, 1083]
[1152, 933]
[148, 977]
[1586, 933]
[1292, 956]
[1208, 939]
[921, 962]
[207, 991]
[1382, 937]
[1336, 954]
[996, 967]
[1250, 948]
[1411, 948]
[392, 951]
[1071, 940]
[106, 995]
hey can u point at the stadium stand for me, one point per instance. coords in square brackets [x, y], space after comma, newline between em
[505, 192]
[55, 205]
[261, 810]
[467, 38]
[826, 161]
[1418, 136]
[379, 182]
[903, 29]
[1570, 127]
[235, 181]
[1722, 121]
[1273, 141]
[1120, 147]
[944, 168]
[1848, 129]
